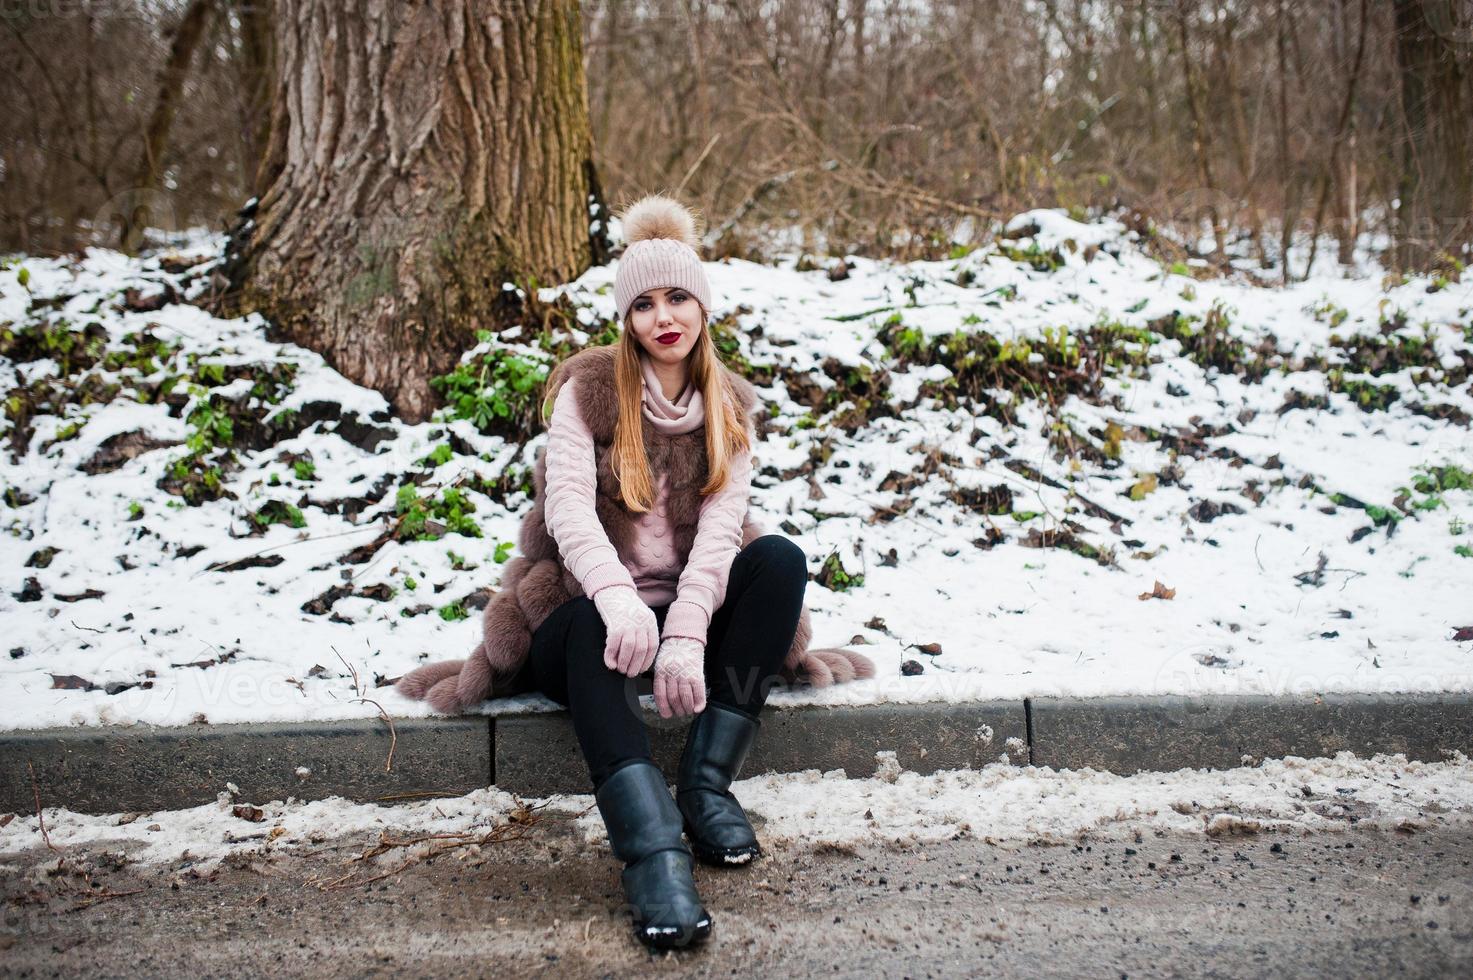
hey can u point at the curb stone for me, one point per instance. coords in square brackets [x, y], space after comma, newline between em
[1131, 734]
[142, 768]
[537, 755]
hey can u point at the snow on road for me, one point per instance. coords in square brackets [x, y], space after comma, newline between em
[998, 803]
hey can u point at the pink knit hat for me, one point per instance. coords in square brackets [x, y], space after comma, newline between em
[661, 254]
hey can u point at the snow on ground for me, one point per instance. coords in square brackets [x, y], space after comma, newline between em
[998, 803]
[1291, 464]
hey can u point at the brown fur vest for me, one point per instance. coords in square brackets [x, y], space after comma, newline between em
[536, 582]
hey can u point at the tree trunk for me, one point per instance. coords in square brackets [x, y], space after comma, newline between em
[150, 170]
[256, 60]
[1436, 186]
[421, 156]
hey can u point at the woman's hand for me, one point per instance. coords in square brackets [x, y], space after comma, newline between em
[633, 633]
[680, 677]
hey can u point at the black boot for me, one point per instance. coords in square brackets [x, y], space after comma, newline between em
[718, 743]
[644, 831]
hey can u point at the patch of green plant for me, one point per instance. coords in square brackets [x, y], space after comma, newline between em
[1381, 516]
[1366, 395]
[832, 575]
[496, 392]
[195, 478]
[857, 396]
[141, 353]
[1209, 343]
[913, 283]
[74, 350]
[428, 518]
[725, 335]
[1433, 482]
[211, 422]
[1328, 312]
[218, 424]
[1119, 348]
[1059, 347]
[439, 456]
[1463, 550]
[453, 612]
[278, 512]
[304, 470]
[410, 583]
[1377, 355]
[1039, 259]
[907, 342]
[503, 552]
[68, 430]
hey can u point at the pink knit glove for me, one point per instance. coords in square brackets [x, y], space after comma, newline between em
[633, 632]
[680, 677]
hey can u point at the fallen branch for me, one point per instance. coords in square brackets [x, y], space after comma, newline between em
[93, 899]
[515, 829]
[358, 689]
[40, 818]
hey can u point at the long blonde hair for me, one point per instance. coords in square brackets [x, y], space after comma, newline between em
[726, 437]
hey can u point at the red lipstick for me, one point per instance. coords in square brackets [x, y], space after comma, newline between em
[668, 338]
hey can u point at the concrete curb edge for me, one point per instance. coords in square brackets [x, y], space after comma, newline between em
[142, 768]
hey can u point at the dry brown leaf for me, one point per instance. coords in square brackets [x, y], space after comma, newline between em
[1158, 591]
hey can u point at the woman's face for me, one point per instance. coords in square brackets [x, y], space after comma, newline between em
[667, 323]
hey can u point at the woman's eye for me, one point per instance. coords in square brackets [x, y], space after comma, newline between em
[642, 305]
[677, 297]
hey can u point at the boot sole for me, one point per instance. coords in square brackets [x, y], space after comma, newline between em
[674, 940]
[722, 857]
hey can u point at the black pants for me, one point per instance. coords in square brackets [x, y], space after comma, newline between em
[746, 643]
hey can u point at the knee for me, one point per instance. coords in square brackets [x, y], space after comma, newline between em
[777, 555]
[586, 632]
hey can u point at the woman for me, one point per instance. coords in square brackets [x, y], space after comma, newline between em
[638, 556]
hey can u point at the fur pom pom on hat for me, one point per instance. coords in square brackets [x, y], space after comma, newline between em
[662, 252]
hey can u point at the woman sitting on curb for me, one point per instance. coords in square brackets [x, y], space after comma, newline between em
[639, 555]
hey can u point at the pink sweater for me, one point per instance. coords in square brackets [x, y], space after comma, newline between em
[693, 592]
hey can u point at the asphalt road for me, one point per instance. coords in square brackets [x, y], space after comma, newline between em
[1356, 903]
